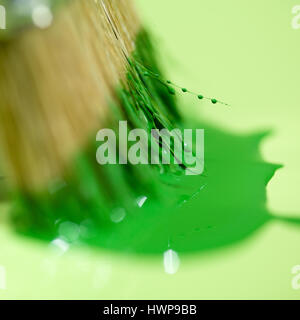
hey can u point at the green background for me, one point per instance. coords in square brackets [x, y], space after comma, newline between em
[246, 54]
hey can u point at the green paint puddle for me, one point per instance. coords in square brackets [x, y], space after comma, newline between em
[221, 207]
[187, 214]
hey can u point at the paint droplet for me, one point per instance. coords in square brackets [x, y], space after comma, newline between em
[184, 90]
[200, 97]
[171, 261]
[171, 90]
[141, 201]
[118, 215]
[68, 231]
[60, 246]
[214, 101]
[169, 82]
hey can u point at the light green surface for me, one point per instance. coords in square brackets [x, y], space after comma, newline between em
[244, 53]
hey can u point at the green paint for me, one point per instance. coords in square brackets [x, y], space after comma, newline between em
[171, 91]
[199, 213]
[167, 83]
[150, 208]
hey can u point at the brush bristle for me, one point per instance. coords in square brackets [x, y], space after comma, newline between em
[55, 85]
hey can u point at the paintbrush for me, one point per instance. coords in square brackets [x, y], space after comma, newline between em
[68, 69]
